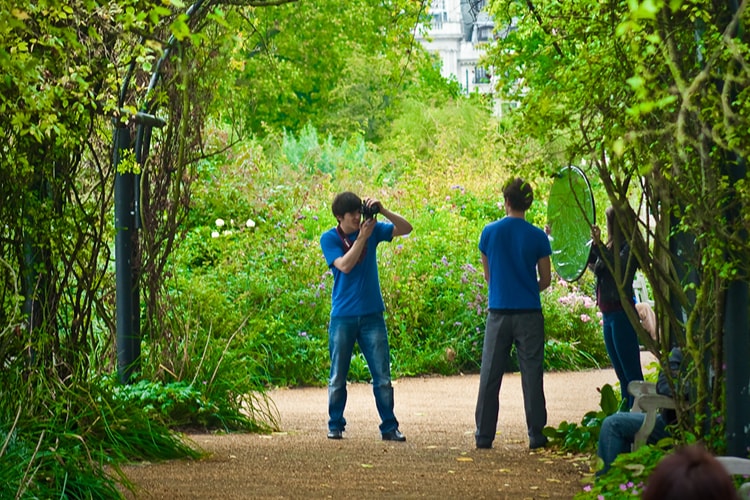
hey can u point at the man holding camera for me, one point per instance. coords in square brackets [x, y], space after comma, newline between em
[357, 305]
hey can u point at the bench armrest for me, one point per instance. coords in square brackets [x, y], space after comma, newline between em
[650, 404]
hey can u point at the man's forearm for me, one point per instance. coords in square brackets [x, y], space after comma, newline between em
[346, 262]
[401, 225]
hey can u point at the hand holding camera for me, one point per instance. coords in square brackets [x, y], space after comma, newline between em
[596, 234]
[370, 208]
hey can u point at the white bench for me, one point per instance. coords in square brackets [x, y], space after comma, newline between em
[738, 467]
[640, 288]
[649, 402]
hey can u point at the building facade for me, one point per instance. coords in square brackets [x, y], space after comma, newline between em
[459, 33]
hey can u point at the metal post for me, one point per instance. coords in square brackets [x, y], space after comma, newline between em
[737, 320]
[128, 218]
[737, 346]
[127, 223]
[736, 355]
[126, 296]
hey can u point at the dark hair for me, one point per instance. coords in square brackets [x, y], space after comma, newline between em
[690, 473]
[613, 228]
[518, 193]
[344, 203]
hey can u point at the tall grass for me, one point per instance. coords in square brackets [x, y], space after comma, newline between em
[66, 439]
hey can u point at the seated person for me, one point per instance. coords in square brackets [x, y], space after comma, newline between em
[648, 318]
[690, 473]
[618, 430]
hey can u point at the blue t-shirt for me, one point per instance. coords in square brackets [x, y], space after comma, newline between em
[358, 292]
[513, 247]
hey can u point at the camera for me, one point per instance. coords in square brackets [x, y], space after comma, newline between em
[371, 211]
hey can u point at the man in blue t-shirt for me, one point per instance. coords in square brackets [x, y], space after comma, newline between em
[357, 305]
[513, 252]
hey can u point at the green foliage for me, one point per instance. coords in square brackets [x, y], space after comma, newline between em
[59, 471]
[177, 404]
[444, 132]
[583, 437]
[272, 272]
[628, 474]
[646, 96]
[309, 155]
[344, 79]
[566, 356]
[62, 450]
[571, 318]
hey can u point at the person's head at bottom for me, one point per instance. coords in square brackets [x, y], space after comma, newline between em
[690, 473]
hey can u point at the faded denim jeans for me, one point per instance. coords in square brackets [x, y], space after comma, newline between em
[624, 351]
[618, 433]
[370, 333]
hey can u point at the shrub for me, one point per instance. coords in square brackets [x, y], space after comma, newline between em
[573, 327]
[627, 475]
[266, 287]
[583, 437]
[62, 452]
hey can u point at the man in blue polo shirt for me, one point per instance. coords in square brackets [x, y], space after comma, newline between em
[357, 305]
[513, 252]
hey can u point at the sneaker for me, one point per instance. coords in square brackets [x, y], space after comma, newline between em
[394, 435]
[336, 434]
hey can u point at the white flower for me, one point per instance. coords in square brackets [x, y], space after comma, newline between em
[215, 234]
[250, 223]
[227, 232]
[219, 222]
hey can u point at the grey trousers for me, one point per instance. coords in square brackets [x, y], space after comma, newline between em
[526, 331]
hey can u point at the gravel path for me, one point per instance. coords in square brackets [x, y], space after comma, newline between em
[438, 460]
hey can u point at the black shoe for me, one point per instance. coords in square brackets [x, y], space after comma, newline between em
[484, 446]
[394, 435]
[536, 444]
[336, 434]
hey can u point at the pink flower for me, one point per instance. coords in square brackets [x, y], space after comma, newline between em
[585, 318]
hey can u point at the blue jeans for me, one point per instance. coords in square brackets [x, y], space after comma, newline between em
[371, 335]
[623, 349]
[618, 433]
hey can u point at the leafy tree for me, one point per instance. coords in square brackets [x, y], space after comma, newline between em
[338, 67]
[653, 96]
[64, 67]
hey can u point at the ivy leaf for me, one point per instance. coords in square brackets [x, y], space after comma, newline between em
[179, 28]
[19, 14]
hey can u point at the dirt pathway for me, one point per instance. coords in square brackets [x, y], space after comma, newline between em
[437, 461]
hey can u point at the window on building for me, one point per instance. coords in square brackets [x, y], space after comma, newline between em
[438, 13]
[481, 75]
[477, 5]
[484, 34]
[438, 19]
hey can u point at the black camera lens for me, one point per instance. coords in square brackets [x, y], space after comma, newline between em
[371, 211]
